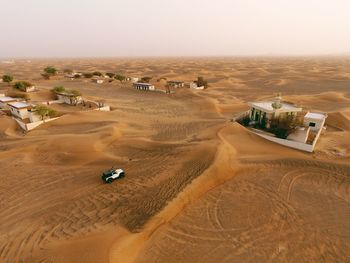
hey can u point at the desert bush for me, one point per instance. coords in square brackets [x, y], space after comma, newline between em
[50, 70]
[44, 111]
[120, 77]
[45, 75]
[97, 73]
[146, 79]
[75, 93]
[244, 121]
[88, 75]
[77, 76]
[111, 75]
[7, 78]
[22, 85]
[58, 89]
[282, 127]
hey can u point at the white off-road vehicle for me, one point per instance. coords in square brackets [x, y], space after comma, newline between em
[112, 174]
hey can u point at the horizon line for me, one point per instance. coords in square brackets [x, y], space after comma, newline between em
[345, 55]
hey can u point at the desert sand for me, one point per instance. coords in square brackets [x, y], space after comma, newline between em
[198, 187]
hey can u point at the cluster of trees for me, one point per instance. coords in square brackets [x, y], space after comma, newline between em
[22, 85]
[111, 75]
[19, 85]
[73, 94]
[7, 78]
[49, 71]
[146, 79]
[281, 127]
[201, 82]
[59, 89]
[44, 111]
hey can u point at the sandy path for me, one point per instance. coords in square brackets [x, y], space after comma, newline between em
[221, 170]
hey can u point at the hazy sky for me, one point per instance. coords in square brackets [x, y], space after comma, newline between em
[92, 28]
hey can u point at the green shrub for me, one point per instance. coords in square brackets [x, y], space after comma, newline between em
[59, 89]
[7, 78]
[97, 73]
[22, 85]
[88, 75]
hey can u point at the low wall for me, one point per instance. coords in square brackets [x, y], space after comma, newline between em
[21, 124]
[105, 108]
[53, 102]
[292, 144]
[33, 125]
[318, 135]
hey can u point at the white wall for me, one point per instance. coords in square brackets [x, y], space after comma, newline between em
[31, 126]
[105, 108]
[291, 144]
[64, 99]
[20, 113]
[319, 123]
[30, 89]
[34, 117]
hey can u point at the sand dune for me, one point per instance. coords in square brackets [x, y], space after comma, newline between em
[198, 187]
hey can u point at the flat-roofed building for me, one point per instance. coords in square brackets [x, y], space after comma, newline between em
[143, 86]
[68, 98]
[20, 109]
[315, 120]
[4, 101]
[98, 80]
[263, 111]
[176, 84]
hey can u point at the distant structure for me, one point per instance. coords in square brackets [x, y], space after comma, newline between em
[301, 135]
[193, 85]
[98, 80]
[29, 89]
[68, 98]
[144, 86]
[314, 120]
[176, 84]
[73, 75]
[132, 79]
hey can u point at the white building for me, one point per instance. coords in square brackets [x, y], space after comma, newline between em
[193, 85]
[315, 120]
[303, 137]
[134, 80]
[73, 75]
[68, 98]
[69, 76]
[264, 111]
[176, 84]
[30, 89]
[20, 109]
[4, 101]
[143, 86]
[98, 80]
